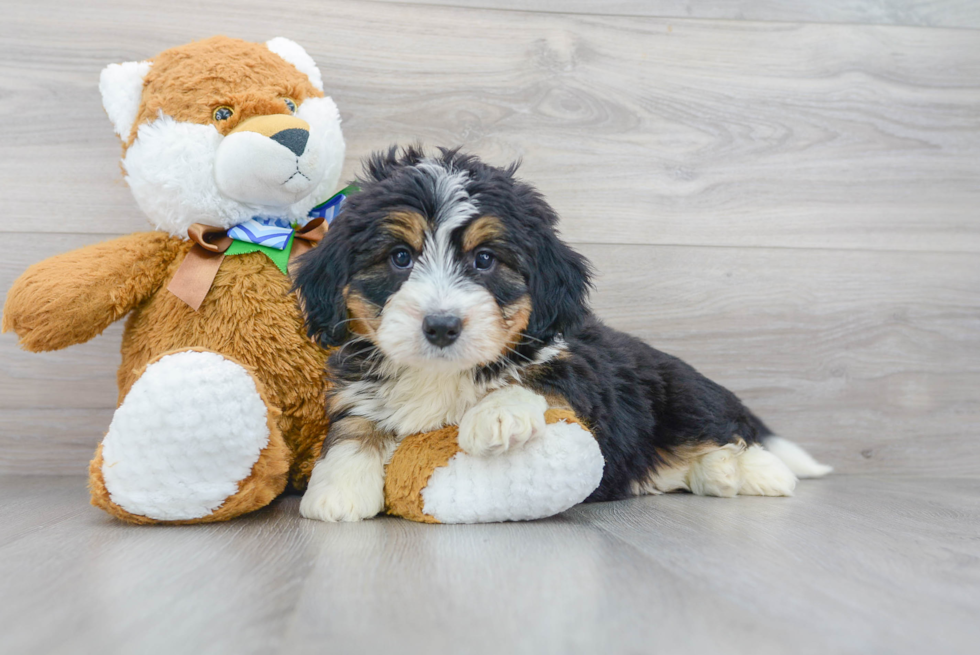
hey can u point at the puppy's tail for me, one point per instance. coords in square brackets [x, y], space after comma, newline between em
[800, 462]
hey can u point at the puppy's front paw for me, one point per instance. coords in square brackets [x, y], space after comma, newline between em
[333, 503]
[505, 419]
[346, 486]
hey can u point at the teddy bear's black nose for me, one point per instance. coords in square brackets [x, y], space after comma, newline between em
[294, 138]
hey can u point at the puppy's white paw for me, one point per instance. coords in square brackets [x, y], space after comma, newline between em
[716, 473]
[333, 503]
[505, 419]
[347, 485]
[738, 470]
[764, 474]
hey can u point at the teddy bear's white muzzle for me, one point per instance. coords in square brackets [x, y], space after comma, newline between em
[270, 171]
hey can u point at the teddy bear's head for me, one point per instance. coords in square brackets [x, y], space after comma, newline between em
[222, 130]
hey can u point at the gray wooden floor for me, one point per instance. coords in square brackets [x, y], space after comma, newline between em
[851, 564]
[786, 193]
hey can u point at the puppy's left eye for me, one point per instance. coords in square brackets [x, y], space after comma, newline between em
[401, 258]
[290, 104]
[483, 260]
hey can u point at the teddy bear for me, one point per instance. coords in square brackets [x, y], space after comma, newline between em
[233, 152]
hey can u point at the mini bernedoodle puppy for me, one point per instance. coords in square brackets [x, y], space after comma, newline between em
[457, 303]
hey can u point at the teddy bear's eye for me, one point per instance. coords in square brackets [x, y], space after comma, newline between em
[290, 104]
[222, 113]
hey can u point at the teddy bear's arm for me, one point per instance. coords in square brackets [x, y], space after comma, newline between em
[72, 297]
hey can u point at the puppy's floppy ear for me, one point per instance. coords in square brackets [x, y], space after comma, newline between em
[559, 280]
[322, 275]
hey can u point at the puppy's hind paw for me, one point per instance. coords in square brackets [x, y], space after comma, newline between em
[764, 474]
[505, 419]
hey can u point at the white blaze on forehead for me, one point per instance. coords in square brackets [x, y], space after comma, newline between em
[437, 272]
[453, 203]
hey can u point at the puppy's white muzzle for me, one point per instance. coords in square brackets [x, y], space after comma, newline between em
[270, 161]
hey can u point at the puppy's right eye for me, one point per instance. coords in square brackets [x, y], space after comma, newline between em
[401, 258]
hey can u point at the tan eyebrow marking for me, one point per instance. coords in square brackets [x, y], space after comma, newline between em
[482, 230]
[408, 226]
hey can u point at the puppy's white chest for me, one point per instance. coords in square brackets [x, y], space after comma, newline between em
[416, 401]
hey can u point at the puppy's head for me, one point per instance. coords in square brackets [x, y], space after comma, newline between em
[443, 261]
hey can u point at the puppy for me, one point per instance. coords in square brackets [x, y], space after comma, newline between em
[456, 303]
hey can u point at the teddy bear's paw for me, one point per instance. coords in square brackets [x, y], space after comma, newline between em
[551, 473]
[504, 419]
[347, 485]
[190, 429]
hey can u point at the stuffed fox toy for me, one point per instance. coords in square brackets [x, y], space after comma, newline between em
[233, 152]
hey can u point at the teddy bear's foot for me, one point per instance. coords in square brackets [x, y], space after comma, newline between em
[547, 475]
[194, 440]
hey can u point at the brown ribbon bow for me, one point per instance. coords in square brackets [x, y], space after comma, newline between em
[194, 277]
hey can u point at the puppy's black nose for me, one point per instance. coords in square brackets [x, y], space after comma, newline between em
[293, 138]
[441, 330]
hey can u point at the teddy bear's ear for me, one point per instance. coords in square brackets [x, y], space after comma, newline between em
[121, 86]
[295, 55]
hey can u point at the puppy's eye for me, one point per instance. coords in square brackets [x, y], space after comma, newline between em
[483, 260]
[290, 104]
[222, 113]
[401, 258]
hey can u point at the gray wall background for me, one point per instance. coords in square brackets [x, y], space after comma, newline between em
[785, 194]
